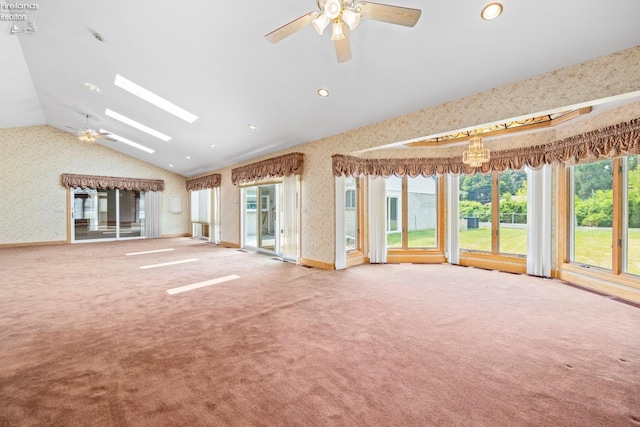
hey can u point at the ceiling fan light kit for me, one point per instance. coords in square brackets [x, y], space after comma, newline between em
[349, 13]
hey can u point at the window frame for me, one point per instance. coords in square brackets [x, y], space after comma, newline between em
[611, 281]
[434, 254]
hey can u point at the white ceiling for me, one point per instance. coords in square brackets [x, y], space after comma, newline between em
[211, 58]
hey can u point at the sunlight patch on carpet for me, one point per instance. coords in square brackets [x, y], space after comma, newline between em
[164, 264]
[202, 284]
[149, 252]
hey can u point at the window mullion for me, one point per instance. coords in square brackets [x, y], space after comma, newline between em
[616, 262]
[495, 213]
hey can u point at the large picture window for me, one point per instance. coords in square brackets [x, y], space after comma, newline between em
[604, 215]
[493, 213]
[631, 225]
[412, 212]
[592, 214]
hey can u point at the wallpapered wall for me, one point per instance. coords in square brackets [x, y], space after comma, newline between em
[34, 201]
[32, 159]
[604, 77]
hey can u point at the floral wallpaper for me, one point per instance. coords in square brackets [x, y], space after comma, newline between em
[32, 159]
[34, 201]
[601, 78]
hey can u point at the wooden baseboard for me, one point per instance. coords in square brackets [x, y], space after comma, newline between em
[357, 260]
[317, 264]
[168, 236]
[595, 284]
[494, 262]
[229, 245]
[27, 244]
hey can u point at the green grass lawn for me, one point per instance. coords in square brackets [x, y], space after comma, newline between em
[592, 245]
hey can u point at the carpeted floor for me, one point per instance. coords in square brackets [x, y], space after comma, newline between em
[88, 338]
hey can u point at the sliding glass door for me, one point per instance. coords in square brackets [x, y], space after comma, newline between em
[270, 218]
[107, 214]
[260, 217]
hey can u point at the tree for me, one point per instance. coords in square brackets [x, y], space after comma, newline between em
[476, 188]
[591, 177]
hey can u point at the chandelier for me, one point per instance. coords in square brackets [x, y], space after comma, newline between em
[477, 154]
[336, 11]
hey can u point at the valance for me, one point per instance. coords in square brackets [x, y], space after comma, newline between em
[270, 168]
[110, 182]
[611, 141]
[204, 182]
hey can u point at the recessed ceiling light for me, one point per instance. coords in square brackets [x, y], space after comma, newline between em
[129, 142]
[212, 145]
[491, 11]
[323, 92]
[188, 157]
[170, 165]
[92, 87]
[139, 126]
[253, 127]
[154, 99]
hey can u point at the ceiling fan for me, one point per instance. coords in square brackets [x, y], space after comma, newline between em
[345, 15]
[89, 135]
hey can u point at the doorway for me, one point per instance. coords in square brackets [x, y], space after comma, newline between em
[107, 214]
[260, 218]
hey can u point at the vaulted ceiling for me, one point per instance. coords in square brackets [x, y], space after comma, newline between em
[211, 58]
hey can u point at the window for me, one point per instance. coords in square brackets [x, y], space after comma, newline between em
[200, 213]
[392, 215]
[604, 215]
[493, 212]
[631, 225]
[475, 212]
[350, 197]
[352, 215]
[592, 214]
[412, 212]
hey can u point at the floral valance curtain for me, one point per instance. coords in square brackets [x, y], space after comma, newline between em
[204, 182]
[289, 164]
[111, 183]
[607, 142]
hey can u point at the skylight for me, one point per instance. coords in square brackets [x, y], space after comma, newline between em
[129, 142]
[154, 99]
[139, 126]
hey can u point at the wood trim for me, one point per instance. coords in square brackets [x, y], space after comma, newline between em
[587, 279]
[616, 226]
[416, 258]
[230, 245]
[168, 236]
[317, 264]
[27, 244]
[361, 258]
[563, 213]
[495, 213]
[628, 280]
[505, 131]
[490, 261]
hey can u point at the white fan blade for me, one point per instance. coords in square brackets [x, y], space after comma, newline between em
[343, 47]
[387, 13]
[290, 28]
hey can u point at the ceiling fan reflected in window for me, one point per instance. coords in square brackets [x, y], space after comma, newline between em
[89, 135]
[345, 15]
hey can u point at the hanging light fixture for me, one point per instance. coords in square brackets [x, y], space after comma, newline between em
[477, 154]
[338, 12]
